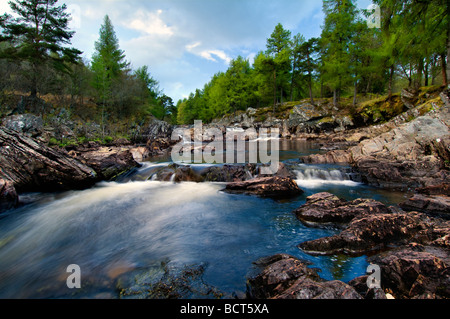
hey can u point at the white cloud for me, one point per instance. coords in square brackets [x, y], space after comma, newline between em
[190, 47]
[208, 55]
[150, 23]
[196, 49]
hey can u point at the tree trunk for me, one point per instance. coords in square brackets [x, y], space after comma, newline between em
[445, 70]
[335, 97]
[447, 74]
[427, 65]
[391, 82]
[355, 92]
[311, 93]
[274, 90]
[418, 82]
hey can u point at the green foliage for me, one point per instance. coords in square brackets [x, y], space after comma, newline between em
[38, 37]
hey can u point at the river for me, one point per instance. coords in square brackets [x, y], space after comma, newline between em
[137, 234]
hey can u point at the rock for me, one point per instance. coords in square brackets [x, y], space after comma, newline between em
[331, 157]
[158, 146]
[27, 124]
[360, 286]
[367, 234]
[8, 195]
[445, 97]
[410, 155]
[229, 173]
[152, 130]
[108, 162]
[401, 174]
[414, 272]
[440, 189]
[140, 153]
[431, 204]
[409, 97]
[305, 288]
[275, 187]
[286, 277]
[325, 208]
[32, 167]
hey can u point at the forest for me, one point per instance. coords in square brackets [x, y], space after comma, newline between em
[409, 50]
[40, 73]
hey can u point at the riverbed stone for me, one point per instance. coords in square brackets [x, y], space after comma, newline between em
[415, 271]
[368, 234]
[431, 204]
[286, 277]
[8, 195]
[326, 208]
[275, 187]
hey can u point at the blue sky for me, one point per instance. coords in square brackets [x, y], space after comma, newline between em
[185, 42]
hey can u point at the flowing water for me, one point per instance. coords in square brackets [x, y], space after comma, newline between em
[119, 231]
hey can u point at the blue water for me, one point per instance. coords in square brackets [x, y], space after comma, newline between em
[116, 230]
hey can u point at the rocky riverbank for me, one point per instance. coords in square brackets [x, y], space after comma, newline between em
[412, 250]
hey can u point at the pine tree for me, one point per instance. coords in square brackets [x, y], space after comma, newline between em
[40, 36]
[279, 49]
[108, 61]
[337, 34]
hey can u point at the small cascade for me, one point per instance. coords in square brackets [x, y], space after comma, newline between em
[315, 176]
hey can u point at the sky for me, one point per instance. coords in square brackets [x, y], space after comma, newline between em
[185, 42]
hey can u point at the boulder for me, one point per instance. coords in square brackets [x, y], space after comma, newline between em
[367, 234]
[431, 204]
[415, 271]
[275, 187]
[8, 195]
[331, 157]
[31, 166]
[440, 189]
[286, 277]
[326, 208]
[108, 162]
[154, 129]
[27, 124]
[229, 173]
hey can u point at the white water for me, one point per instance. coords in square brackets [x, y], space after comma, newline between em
[314, 177]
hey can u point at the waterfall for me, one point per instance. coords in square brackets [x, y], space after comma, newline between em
[310, 176]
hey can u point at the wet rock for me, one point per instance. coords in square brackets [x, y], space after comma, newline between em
[275, 187]
[8, 195]
[229, 173]
[108, 162]
[31, 166]
[431, 204]
[361, 287]
[286, 277]
[367, 234]
[414, 272]
[140, 153]
[326, 208]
